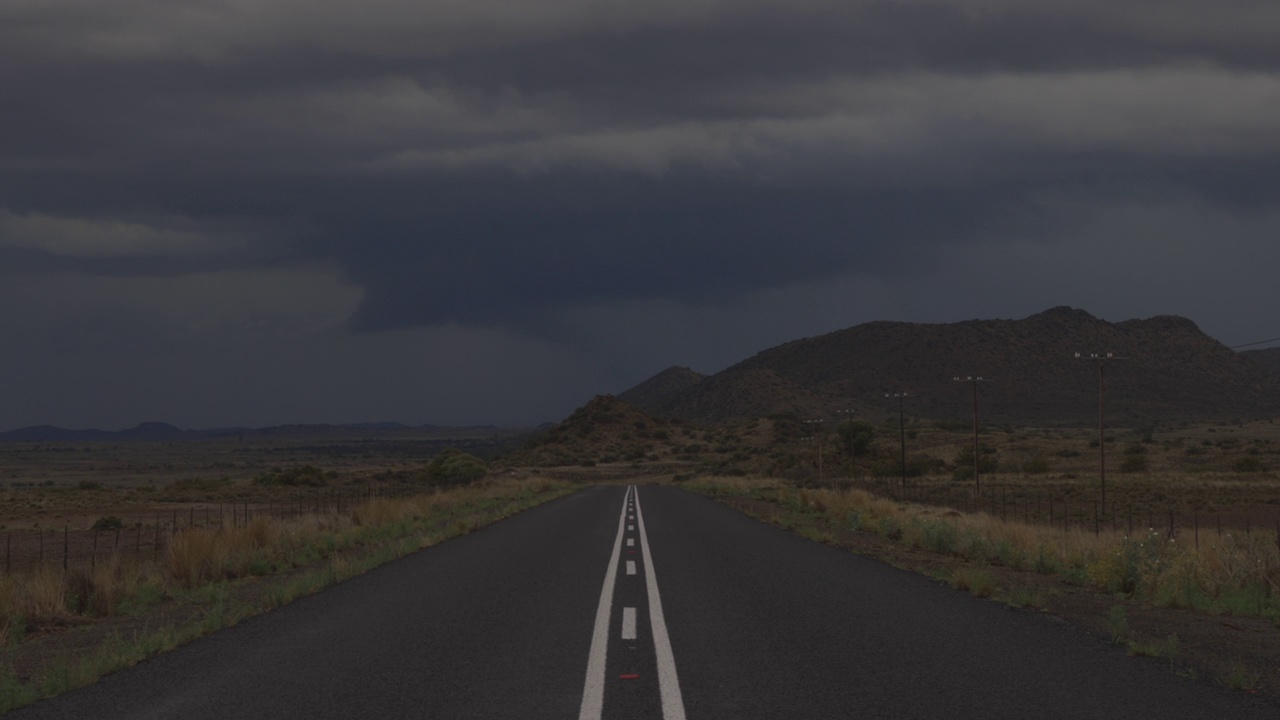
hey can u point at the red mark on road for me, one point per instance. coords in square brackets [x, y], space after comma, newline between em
[629, 676]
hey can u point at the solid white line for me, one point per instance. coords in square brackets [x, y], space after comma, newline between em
[593, 687]
[628, 623]
[668, 681]
[631, 567]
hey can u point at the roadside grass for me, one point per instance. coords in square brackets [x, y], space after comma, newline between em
[1229, 573]
[200, 567]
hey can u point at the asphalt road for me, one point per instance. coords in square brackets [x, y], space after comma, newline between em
[673, 606]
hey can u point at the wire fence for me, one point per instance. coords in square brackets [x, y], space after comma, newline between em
[1040, 507]
[144, 534]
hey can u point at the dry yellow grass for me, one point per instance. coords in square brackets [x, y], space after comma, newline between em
[196, 556]
[1233, 573]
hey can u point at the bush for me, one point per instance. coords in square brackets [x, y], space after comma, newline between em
[988, 462]
[1247, 464]
[856, 436]
[454, 467]
[299, 476]
[107, 522]
[1036, 466]
[1134, 463]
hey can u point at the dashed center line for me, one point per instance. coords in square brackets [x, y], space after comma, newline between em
[593, 688]
[670, 697]
[628, 623]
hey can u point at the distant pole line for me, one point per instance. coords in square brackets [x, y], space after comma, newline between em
[818, 435]
[902, 432]
[977, 476]
[1101, 359]
[848, 419]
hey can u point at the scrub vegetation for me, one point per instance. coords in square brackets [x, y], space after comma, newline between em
[207, 578]
[1207, 605]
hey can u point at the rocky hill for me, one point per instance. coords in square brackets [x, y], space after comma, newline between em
[658, 388]
[1173, 372]
[605, 430]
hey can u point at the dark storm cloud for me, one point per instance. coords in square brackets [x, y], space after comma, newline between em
[560, 168]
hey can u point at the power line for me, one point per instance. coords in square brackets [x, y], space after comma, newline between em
[1260, 342]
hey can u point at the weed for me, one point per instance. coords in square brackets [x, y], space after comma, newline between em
[1118, 624]
[1239, 677]
[1167, 648]
[1025, 596]
[975, 580]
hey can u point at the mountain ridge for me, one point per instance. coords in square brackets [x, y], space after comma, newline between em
[1171, 371]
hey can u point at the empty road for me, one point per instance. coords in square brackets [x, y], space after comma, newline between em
[645, 603]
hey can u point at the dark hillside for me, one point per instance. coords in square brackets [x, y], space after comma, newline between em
[1173, 372]
[653, 393]
[604, 430]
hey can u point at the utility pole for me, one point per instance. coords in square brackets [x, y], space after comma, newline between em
[818, 434]
[974, 380]
[848, 418]
[902, 432]
[1101, 359]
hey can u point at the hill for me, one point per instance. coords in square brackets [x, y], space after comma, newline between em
[659, 388]
[606, 429]
[1173, 372]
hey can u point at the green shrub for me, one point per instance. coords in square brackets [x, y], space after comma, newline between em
[298, 476]
[1134, 463]
[1247, 464]
[856, 436]
[107, 522]
[454, 467]
[1036, 466]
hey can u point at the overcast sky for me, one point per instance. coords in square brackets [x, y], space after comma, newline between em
[252, 212]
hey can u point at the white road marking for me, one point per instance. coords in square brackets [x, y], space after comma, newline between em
[631, 567]
[631, 542]
[668, 681]
[628, 623]
[593, 687]
[631, 528]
